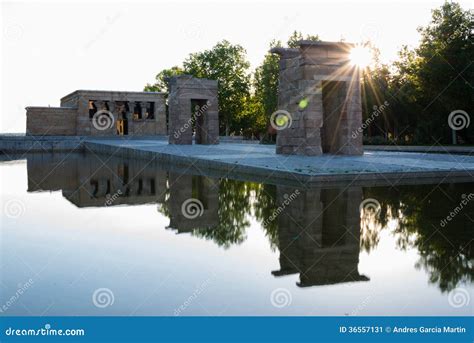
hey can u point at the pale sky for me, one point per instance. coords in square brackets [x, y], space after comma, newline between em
[50, 49]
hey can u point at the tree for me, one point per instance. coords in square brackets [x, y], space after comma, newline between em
[437, 76]
[227, 64]
[161, 84]
[265, 81]
[296, 36]
[265, 84]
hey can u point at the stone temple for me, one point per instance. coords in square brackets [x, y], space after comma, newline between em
[100, 113]
[319, 100]
[319, 94]
[193, 102]
[192, 107]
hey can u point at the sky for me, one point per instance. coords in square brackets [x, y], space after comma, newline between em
[50, 49]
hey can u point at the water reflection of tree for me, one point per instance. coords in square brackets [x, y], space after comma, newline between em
[411, 213]
[264, 207]
[446, 253]
[234, 209]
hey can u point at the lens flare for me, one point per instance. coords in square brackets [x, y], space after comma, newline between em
[361, 56]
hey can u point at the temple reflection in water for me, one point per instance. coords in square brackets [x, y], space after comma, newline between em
[318, 233]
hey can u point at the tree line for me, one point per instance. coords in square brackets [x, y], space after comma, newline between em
[422, 88]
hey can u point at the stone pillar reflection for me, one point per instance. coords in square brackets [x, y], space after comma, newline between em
[193, 202]
[319, 234]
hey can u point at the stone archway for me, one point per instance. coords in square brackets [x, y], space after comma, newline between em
[193, 111]
[320, 90]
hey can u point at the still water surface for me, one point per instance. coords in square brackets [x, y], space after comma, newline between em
[93, 235]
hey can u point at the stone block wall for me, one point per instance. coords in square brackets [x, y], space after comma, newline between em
[320, 90]
[50, 121]
[140, 113]
[188, 94]
[127, 106]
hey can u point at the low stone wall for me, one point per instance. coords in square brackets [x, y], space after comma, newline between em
[237, 139]
[10, 144]
[20, 143]
[420, 148]
[51, 121]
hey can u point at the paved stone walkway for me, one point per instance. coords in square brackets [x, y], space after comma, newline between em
[261, 160]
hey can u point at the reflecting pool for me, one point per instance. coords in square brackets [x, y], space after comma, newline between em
[84, 234]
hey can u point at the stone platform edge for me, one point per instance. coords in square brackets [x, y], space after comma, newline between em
[220, 169]
[21, 143]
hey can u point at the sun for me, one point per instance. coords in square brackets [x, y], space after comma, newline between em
[361, 56]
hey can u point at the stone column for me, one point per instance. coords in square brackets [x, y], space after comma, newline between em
[131, 108]
[112, 106]
[144, 107]
[100, 105]
[131, 124]
[160, 117]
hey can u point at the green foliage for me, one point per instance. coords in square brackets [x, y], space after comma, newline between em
[445, 253]
[265, 83]
[161, 85]
[296, 36]
[234, 206]
[422, 87]
[436, 78]
[227, 64]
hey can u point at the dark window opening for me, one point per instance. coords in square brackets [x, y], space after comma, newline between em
[152, 187]
[334, 94]
[92, 109]
[94, 187]
[108, 187]
[140, 187]
[150, 114]
[137, 112]
[198, 111]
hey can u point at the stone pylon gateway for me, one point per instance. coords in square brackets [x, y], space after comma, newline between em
[319, 94]
[193, 106]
